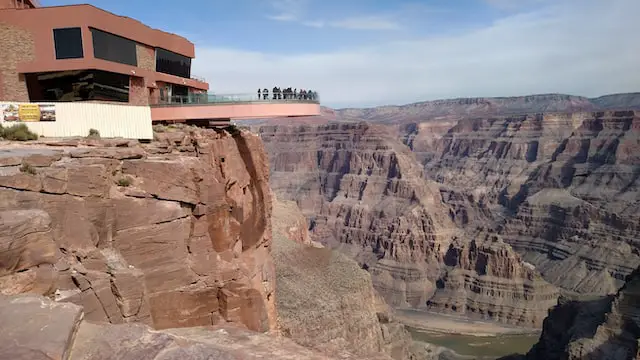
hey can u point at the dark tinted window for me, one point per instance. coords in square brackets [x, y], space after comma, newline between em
[171, 63]
[68, 43]
[78, 85]
[114, 48]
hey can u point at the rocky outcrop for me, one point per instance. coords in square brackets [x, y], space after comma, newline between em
[486, 279]
[37, 328]
[325, 300]
[175, 233]
[604, 328]
[365, 194]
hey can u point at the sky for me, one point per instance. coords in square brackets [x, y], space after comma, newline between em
[358, 53]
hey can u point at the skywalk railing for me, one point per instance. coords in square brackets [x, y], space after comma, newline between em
[203, 99]
[198, 78]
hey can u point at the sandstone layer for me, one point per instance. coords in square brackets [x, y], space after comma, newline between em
[604, 328]
[325, 301]
[365, 194]
[486, 279]
[37, 328]
[175, 233]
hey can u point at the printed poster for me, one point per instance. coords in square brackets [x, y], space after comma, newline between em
[26, 112]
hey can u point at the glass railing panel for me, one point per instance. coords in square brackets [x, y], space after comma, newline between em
[238, 98]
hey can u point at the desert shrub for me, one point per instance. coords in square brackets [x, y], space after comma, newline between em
[124, 182]
[28, 169]
[93, 133]
[18, 132]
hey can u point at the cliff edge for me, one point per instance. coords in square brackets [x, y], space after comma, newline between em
[174, 233]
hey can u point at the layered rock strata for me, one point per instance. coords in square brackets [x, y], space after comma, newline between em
[561, 188]
[604, 328]
[325, 300]
[366, 195]
[174, 233]
[486, 279]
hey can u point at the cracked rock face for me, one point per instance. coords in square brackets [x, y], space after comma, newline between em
[174, 233]
[37, 328]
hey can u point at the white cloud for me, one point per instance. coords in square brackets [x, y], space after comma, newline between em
[315, 24]
[288, 10]
[282, 17]
[583, 47]
[366, 23]
[515, 4]
[295, 11]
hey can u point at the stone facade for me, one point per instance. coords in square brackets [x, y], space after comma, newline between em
[146, 57]
[17, 45]
[138, 93]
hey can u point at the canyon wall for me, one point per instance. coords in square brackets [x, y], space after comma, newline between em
[325, 301]
[601, 328]
[561, 188]
[175, 233]
[365, 194]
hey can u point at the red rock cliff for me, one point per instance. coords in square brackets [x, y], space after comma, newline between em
[174, 233]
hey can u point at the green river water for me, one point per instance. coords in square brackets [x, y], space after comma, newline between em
[485, 347]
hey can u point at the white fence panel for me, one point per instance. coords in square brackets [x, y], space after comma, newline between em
[111, 120]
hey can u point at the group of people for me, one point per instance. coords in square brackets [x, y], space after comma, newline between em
[287, 94]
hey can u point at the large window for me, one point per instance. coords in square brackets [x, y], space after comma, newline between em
[68, 43]
[78, 85]
[114, 48]
[171, 63]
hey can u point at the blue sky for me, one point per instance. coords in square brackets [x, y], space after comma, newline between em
[375, 52]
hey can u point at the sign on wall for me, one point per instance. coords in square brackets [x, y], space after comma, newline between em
[28, 112]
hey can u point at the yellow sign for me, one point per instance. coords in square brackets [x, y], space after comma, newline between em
[29, 112]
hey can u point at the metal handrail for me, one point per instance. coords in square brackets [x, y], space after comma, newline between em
[237, 98]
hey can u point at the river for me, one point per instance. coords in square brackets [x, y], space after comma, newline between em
[482, 347]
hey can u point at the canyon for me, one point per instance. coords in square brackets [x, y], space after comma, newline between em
[489, 214]
[302, 241]
[169, 247]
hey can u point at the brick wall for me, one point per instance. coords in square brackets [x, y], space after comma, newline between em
[146, 57]
[138, 93]
[16, 45]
